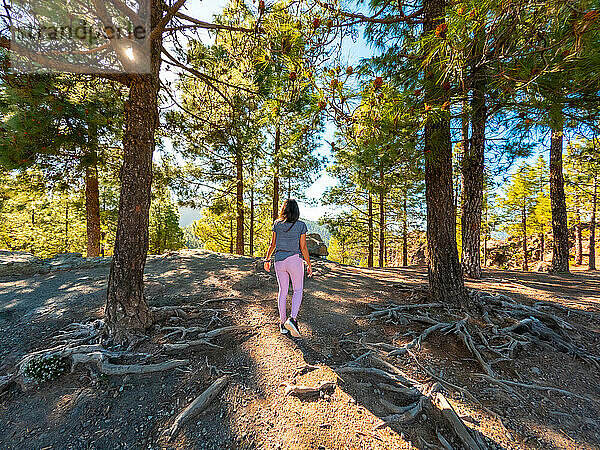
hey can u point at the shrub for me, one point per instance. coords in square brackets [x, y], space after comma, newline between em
[45, 369]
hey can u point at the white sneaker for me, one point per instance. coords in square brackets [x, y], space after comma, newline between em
[283, 329]
[292, 325]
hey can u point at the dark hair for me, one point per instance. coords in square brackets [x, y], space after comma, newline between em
[289, 212]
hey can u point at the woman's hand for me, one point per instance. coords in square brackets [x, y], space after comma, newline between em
[267, 266]
[309, 272]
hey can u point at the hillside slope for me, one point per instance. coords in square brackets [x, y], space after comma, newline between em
[85, 409]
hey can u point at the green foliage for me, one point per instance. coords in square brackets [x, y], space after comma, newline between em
[47, 368]
[164, 231]
[339, 251]
[38, 218]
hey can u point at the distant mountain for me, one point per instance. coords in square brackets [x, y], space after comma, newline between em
[314, 227]
[188, 215]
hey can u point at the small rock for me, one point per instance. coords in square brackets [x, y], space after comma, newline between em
[536, 370]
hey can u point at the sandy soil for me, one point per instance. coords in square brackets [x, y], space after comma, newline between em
[87, 410]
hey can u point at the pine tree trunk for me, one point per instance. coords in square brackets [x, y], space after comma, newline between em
[524, 225]
[66, 224]
[472, 171]
[239, 205]
[381, 229]
[92, 199]
[560, 230]
[127, 312]
[370, 232]
[252, 221]
[276, 174]
[231, 237]
[578, 243]
[445, 272]
[405, 234]
[542, 246]
[592, 252]
[578, 236]
[485, 234]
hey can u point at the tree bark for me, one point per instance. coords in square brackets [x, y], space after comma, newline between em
[381, 229]
[239, 204]
[560, 230]
[231, 237]
[66, 223]
[472, 170]
[370, 232]
[445, 272]
[592, 252]
[405, 233]
[127, 312]
[485, 235]
[276, 174]
[578, 238]
[524, 225]
[92, 209]
[252, 221]
[542, 246]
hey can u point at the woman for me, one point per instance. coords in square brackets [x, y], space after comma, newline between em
[289, 242]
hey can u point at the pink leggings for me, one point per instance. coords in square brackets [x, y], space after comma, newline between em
[293, 267]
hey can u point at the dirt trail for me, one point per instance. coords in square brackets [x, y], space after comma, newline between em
[84, 410]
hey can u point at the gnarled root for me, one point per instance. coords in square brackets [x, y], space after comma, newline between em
[197, 406]
[323, 386]
[99, 359]
[204, 338]
[405, 415]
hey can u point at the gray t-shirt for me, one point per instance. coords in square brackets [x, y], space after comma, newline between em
[287, 240]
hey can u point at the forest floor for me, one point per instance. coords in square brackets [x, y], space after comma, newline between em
[85, 409]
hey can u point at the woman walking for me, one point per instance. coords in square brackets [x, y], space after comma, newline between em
[289, 242]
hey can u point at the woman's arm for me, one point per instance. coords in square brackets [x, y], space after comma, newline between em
[304, 250]
[267, 264]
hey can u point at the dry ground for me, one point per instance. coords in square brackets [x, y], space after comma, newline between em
[87, 410]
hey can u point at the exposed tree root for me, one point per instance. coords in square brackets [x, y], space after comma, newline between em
[544, 336]
[387, 311]
[204, 338]
[537, 387]
[407, 392]
[353, 370]
[443, 440]
[304, 369]
[395, 409]
[503, 327]
[416, 342]
[323, 386]
[103, 366]
[455, 422]
[197, 406]
[426, 393]
[160, 313]
[75, 345]
[407, 415]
